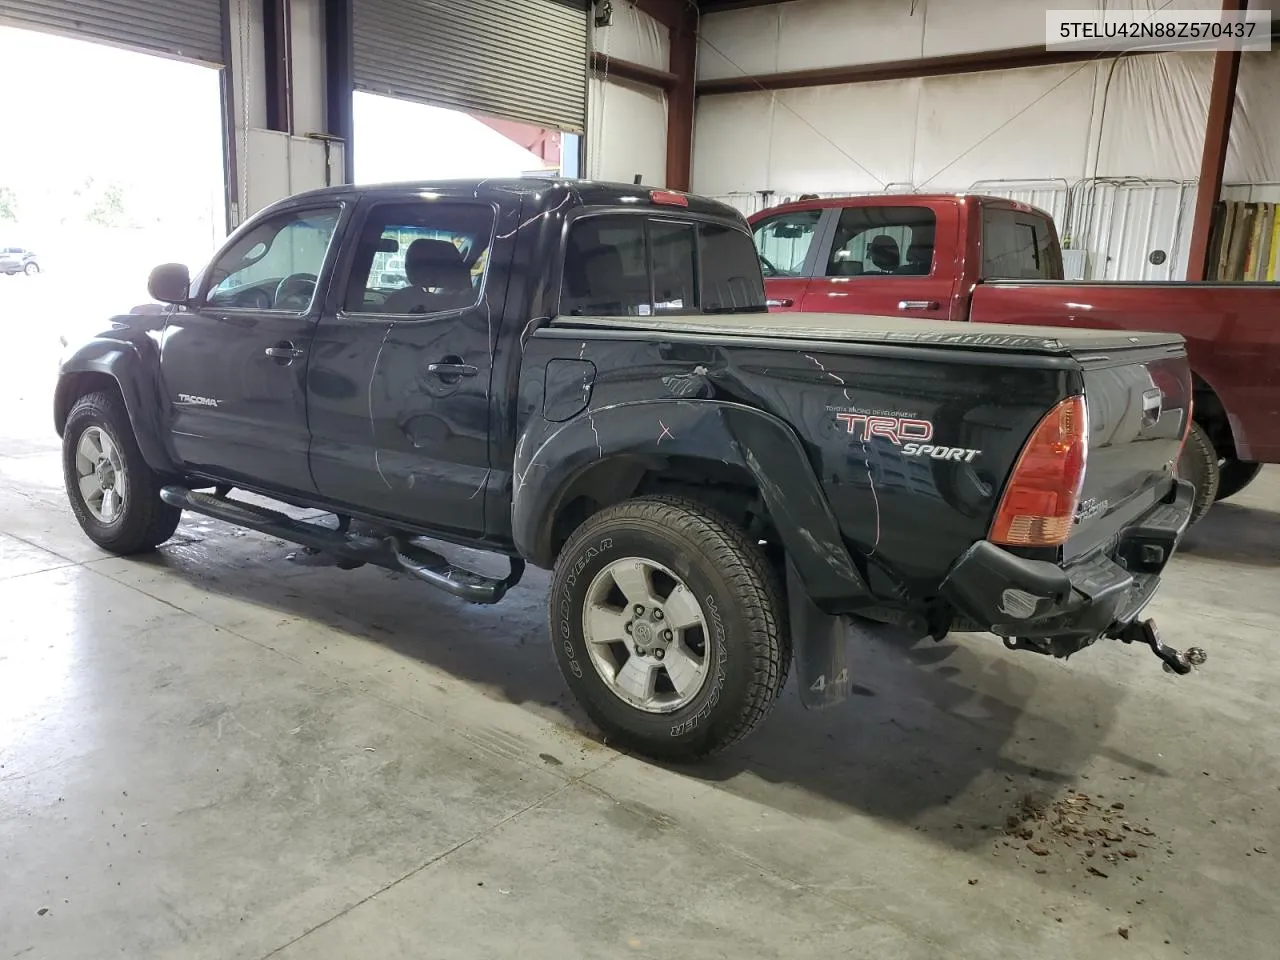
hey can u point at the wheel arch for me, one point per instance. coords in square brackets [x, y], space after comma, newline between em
[737, 459]
[117, 366]
[1211, 414]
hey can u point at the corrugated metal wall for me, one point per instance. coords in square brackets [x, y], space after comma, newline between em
[187, 29]
[521, 59]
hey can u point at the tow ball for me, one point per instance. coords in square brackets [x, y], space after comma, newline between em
[1175, 661]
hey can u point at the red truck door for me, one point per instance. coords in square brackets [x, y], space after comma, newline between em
[788, 252]
[891, 257]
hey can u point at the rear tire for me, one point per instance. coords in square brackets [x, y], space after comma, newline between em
[1199, 464]
[114, 493]
[722, 582]
[1234, 476]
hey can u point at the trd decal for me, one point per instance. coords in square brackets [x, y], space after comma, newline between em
[958, 454]
[911, 435]
[898, 430]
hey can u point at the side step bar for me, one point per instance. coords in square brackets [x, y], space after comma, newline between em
[392, 552]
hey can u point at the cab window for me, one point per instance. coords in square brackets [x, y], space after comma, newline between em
[783, 242]
[638, 266]
[276, 264]
[883, 242]
[1018, 246]
[420, 257]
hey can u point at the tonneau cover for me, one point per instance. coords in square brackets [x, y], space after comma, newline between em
[855, 328]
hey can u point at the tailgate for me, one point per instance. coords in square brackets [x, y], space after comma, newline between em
[1139, 403]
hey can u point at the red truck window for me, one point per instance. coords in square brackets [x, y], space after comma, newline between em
[883, 242]
[1018, 246]
[783, 242]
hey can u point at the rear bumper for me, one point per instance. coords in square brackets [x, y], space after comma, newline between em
[1059, 609]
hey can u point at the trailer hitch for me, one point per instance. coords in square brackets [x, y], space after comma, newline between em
[1175, 661]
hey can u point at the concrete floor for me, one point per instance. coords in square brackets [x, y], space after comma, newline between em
[215, 753]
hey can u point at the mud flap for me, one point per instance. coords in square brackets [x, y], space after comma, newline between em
[819, 642]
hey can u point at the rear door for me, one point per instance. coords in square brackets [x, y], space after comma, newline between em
[883, 260]
[399, 380]
[788, 244]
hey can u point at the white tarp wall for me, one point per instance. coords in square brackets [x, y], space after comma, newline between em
[627, 122]
[1119, 119]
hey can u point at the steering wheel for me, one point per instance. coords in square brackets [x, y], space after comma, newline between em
[769, 269]
[296, 286]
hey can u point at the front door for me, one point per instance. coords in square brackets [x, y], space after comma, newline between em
[786, 245]
[398, 384]
[880, 261]
[234, 362]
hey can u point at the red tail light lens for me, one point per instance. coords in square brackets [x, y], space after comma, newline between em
[1039, 504]
[669, 197]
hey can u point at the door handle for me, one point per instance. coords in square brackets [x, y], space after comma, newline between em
[452, 372]
[918, 304]
[780, 302]
[284, 350]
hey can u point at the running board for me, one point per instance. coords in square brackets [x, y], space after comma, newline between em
[392, 552]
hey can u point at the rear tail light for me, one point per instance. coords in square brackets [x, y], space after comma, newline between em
[1039, 504]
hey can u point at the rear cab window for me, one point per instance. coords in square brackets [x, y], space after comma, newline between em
[880, 241]
[1018, 246]
[637, 265]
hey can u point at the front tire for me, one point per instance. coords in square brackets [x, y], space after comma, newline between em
[31, 269]
[1199, 464]
[114, 493]
[669, 627]
[1234, 476]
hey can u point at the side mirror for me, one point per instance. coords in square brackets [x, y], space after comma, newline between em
[170, 283]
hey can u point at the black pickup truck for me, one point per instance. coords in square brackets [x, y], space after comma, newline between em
[586, 377]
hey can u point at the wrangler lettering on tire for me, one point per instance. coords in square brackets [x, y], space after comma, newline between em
[668, 623]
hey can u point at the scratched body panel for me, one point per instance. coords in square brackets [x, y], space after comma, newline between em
[904, 518]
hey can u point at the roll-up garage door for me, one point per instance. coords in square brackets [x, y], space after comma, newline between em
[190, 29]
[519, 59]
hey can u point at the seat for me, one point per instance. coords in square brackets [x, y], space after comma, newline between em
[884, 254]
[919, 260]
[438, 280]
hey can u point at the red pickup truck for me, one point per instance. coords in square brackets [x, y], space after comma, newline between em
[994, 260]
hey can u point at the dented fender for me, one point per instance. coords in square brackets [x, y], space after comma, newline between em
[552, 457]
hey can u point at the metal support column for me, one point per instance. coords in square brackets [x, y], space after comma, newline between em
[681, 97]
[1213, 161]
[339, 57]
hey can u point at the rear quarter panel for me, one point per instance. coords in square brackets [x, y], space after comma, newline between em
[906, 518]
[1232, 333]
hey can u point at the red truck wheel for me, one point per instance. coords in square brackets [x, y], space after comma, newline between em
[1199, 464]
[1235, 475]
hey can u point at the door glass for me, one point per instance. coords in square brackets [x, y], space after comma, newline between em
[1017, 246]
[883, 242]
[275, 265]
[420, 257]
[783, 242]
[731, 281]
[635, 266]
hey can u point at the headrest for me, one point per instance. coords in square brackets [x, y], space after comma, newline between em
[883, 251]
[436, 263]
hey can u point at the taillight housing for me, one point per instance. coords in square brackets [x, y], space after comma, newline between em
[1039, 502]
